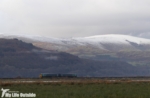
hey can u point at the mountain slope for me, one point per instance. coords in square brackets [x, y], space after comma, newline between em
[107, 43]
[101, 47]
[25, 60]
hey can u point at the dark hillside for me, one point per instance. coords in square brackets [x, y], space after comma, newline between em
[22, 59]
[11, 45]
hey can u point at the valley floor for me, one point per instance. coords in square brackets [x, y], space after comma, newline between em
[80, 88]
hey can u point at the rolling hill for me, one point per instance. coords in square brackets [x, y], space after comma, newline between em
[20, 59]
[133, 50]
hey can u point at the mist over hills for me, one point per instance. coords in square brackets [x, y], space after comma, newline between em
[132, 49]
[110, 42]
[22, 59]
[143, 35]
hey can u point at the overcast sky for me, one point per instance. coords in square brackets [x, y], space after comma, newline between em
[75, 18]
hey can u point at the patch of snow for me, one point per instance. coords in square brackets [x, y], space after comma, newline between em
[97, 40]
[119, 39]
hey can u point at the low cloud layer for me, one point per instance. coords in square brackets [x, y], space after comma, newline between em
[74, 18]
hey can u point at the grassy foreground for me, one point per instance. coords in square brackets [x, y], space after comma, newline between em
[83, 90]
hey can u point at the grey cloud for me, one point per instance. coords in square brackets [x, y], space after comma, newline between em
[74, 18]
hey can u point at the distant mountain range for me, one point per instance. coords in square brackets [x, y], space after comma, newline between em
[109, 47]
[20, 59]
[107, 43]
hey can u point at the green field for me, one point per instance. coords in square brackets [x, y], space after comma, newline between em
[94, 89]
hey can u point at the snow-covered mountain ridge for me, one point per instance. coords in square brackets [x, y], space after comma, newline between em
[109, 42]
[109, 47]
[113, 38]
[109, 38]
